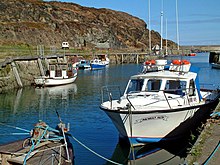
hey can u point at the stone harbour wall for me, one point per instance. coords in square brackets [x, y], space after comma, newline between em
[27, 71]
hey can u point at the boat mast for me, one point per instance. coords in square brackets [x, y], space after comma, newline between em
[149, 27]
[177, 27]
[166, 38]
[161, 27]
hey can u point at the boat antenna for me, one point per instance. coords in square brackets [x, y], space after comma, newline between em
[166, 38]
[177, 26]
[161, 27]
[149, 26]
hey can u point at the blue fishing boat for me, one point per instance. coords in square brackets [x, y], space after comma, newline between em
[97, 64]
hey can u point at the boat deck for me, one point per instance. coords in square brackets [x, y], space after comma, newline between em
[46, 153]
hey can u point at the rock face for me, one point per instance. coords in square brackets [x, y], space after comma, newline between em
[36, 22]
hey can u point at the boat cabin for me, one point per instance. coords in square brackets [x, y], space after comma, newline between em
[171, 83]
[60, 70]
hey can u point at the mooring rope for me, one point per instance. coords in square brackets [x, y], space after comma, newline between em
[213, 152]
[22, 129]
[93, 151]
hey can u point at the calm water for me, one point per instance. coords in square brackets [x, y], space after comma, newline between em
[78, 104]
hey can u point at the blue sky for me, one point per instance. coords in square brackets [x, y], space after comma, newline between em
[199, 20]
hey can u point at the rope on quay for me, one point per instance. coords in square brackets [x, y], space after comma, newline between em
[93, 151]
[215, 113]
[213, 152]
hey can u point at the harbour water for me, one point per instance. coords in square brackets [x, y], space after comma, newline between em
[78, 104]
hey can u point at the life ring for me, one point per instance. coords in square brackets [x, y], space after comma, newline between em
[150, 62]
[180, 62]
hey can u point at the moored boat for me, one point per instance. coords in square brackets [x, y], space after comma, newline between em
[46, 145]
[192, 54]
[104, 58]
[97, 64]
[84, 64]
[214, 59]
[58, 74]
[160, 104]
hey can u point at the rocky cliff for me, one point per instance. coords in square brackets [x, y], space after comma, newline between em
[36, 22]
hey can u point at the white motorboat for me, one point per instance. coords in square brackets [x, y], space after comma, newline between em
[161, 103]
[58, 74]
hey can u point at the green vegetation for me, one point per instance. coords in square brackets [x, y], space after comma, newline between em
[4, 71]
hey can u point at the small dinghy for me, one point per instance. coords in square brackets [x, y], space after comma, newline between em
[45, 146]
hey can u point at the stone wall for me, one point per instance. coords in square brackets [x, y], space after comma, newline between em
[27, 71]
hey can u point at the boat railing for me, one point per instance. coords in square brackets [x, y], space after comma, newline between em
[110, 93]
[189, 96]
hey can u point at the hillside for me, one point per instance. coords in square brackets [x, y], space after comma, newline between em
[35, 22]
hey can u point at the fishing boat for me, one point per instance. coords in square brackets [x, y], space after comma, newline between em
[59, 73]
[192, 54]
[84, 64]
[104, 58]
[46, 145]
[97, 64]
[214, 59]
[159, 104]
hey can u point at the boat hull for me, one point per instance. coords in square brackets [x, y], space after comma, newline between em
[97, 66]
[145, 127]
[59, 81]
[216, 65]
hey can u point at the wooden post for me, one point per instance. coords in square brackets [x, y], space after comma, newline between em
[122, 58]
[16, 74]
[40, 67]
[137, 60]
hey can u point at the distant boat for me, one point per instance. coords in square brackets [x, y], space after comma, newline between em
[214, 59]
[97, 64]
[159, 104]
[58, 74]
[84, 64]
[192, 54]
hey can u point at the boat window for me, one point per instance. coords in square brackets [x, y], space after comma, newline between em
[175, 87]
[153, 85]
[69, 66]
[63, 67]
[135, 85]
[192, 88]
[52, 67]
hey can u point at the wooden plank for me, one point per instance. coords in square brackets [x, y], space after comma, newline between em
[20, 159]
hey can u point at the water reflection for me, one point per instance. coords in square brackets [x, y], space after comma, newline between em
[62, 92]
[161, 153]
